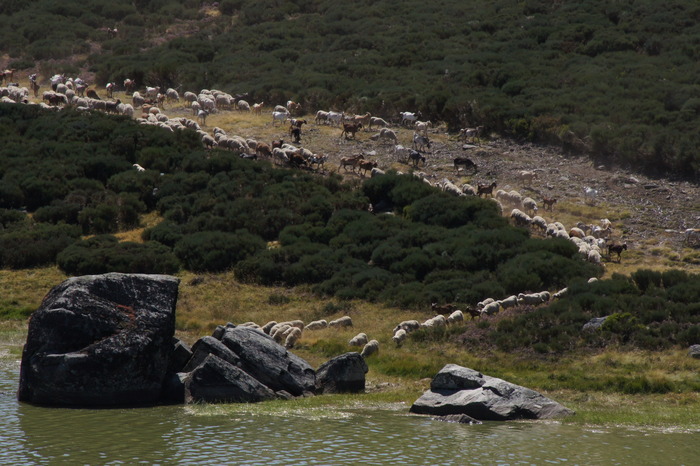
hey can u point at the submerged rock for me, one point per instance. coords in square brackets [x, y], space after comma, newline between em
[460, 390]
[100, 340]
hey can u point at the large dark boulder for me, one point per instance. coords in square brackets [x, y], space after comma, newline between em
[217, 381]
[342, 374]
[459, 390]
[100, 340]
[270, 363]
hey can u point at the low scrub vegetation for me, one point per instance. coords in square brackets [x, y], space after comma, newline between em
[616, 80]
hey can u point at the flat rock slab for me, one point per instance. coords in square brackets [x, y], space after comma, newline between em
[460, 390]
[100, 340]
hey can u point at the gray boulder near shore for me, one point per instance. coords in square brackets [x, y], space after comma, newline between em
[100, 340]
[108, 341]
[460, 390]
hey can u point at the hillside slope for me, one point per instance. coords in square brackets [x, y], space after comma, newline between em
[617, 81]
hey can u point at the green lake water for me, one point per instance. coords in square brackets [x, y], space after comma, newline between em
[356, 434]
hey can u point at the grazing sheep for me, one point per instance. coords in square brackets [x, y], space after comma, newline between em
[577, 233]
[138, 167]
[399, 337]
[268, 326]
[317, 325]
[360, 339]
[539, 222]
[344, 321]
[534, 298]
[530, 205]
[520, 218]
[594, 256]
[510, 301]
[437, 321]
[172, 95]
[292, 338]
[243, 106]
[280, 333]
[407, 325]
[376, 121]
[469, 190]
[451, 188]
[385, 134]
[370, 348]
[279, 116]
[491, 308]
[560, 293]
[456, 316]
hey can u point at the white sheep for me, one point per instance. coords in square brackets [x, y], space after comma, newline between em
[370, 348]
[520, 218]
[407, 325]
[510, 301]
[292, 338]
[451, 188]
[360, 339]
[539, 222]
[437, 321]
[317, 325]
[138, 167]
[559, 294]
[345, 321]
[385, 134]
[456, 316]
[172, 95]
[243, 106]
[376, 121]
[399, 337]
[491, 308]
[530, 205]
[408, 118]
[268, 326]
[279, 334]
[534, 298]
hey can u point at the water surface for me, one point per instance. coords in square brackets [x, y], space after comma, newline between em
[369, 435]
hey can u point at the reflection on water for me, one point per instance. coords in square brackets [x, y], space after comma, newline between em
[239, 435]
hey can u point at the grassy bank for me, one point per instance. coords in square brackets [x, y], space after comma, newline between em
[604, 387]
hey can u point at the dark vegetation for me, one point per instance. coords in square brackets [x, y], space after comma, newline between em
[67, 184]
[618, 80]
[650, 310]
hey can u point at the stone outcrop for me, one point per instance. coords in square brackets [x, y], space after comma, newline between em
[460, 390]
[108, 341]
[100, 340]
[342, 374]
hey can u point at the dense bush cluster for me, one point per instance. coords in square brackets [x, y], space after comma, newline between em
[615, 79]
[651, 310]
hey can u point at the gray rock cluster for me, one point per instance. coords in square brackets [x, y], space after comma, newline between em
[459, 390]
[108, 340]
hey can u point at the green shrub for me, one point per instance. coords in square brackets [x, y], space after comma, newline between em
[213, 251]
[34, 244]
[104, 253]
